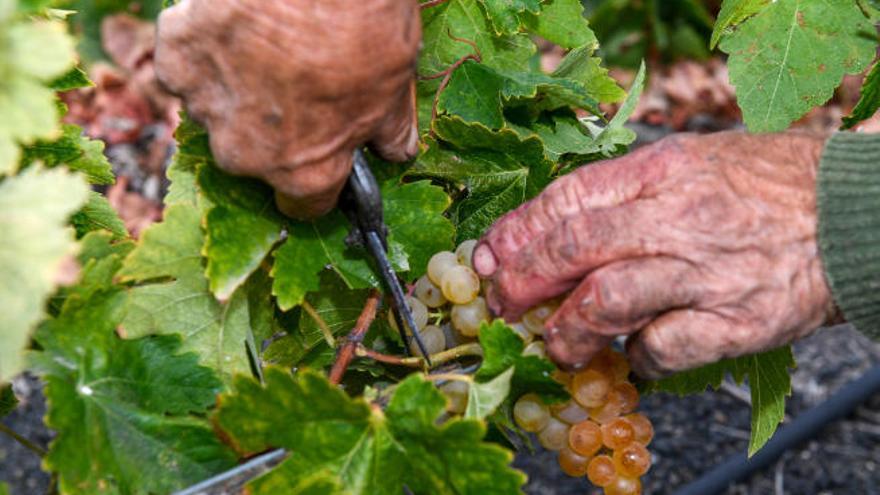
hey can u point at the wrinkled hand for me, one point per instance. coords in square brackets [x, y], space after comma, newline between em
[698, 247]
[287, 90]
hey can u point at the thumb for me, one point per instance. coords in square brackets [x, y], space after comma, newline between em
[397, 137]
[310, 190]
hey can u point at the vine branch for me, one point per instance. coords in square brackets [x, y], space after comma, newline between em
[347, 351]
[470, 349]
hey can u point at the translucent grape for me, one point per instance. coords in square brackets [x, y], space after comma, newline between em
[572, 463]
[536, 348]
[428, 293]
[460, 284]
[632, 460]
[534, 319]
[520, 330]
[554, 436]
[433, 338]
[590, 388]
[466, 318]
[601, 471]
[619, 366]
[605, 413]
[624, 486]
[530, 413]
[419, 312]
[570, 412]
[643, 430]
[617, 433]
[627, 395]
[464, 253]
[439, 264]
[585, 438]
[456, 393]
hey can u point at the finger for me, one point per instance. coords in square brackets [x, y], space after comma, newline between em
[397, 139]
[601, 185]
[310, 190]
[624, 296]
[558, 260]
[572, 350]
[685, 339]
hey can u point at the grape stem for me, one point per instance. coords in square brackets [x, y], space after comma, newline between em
[471, 349]
[347, 352]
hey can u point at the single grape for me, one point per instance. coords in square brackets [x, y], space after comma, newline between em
[624, 486]
[628, 396]
[530, 413]
[554, 436]
[585, 438]
[572, 463]
[433, 338]
[456, 393]
[419, 313]
[601, 471]
[632, 460]
[643, 430]
[536, 348]
[534, 319]
[460, 284]
[605, 413]
[569, 412]
[428, 293]
[619, 366]
[465, 253]
[617, 433]
[468, 317]
[439, 264]
[590, 388]
[520, 330]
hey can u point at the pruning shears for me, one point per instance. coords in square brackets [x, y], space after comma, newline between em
[361, 201]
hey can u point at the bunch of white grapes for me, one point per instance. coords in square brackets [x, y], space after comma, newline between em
[597, 433]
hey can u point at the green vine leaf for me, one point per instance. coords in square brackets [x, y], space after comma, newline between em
[98, 214]
[504, 15]
[76, 151]
[789, 58]
[346, 441]
[8, 400]
[580, 65]
[34, 240]
[734, 12]
[869, 101]
[769, 381]
[562, 22]
[484, 398]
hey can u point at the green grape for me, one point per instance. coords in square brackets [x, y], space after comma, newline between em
[554, 436]
[433, 338]
[624, 486]
[601, 471]
[536, 348]
[419, 313]
[590, 388]
[569, 412]
[439, 264]
[428, 293]
[465, 253]
[530, 413]
[617, 433]
[456, 393]
[534, 319]
[632, 459]
[572, 463]
[520, 330]
[468, 317]
[460, 284]
[585, 438]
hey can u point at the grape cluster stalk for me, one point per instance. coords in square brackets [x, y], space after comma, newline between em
[597, 432]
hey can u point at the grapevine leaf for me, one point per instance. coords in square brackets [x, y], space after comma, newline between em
[869, 101]
[4, 488]
[34, 239]
[97, 214]
[769, 381]
[502, 349]
[417, 229]
[8, 400]
[791, 56]
[563, 135]
[216, 331]
[563, 23]
[75, 78]
[121, 408]
[504, 14]
[32, 53]
[193, 151]
[74, 150]
[580, 65]
[732, 13]
[476, 93]
[499, 169]
[364, 450]
[242, 226]
[615, 135]
[484, 398]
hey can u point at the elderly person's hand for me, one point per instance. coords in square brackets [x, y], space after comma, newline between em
[697, 247]
[288, 90]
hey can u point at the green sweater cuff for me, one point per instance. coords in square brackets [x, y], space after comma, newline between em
[849, 226]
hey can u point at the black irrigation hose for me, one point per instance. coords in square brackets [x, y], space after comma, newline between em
[804, 427]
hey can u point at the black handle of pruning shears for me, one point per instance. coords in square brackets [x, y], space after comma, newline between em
[362, 203]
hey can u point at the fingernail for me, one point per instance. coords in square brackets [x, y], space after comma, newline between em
[484, 260]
